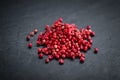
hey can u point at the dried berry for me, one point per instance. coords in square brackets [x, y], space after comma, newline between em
[31, 34]
[47, 60]
[35, 31]
[30, 45]
[39, 50]
[41, 55]
[28, 38]
[82, 59]
[61, 61]
[95, 50]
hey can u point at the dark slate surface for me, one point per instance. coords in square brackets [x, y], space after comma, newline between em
[18, 18]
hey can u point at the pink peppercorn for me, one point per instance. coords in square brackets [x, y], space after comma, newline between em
[92, 33]
[40, 55]
[61, 61]
[57, 56]
[28, 38]
[85, 48]
[82, 59]
[55, 46]
[50, 57]
[35, 31]
[30, 45]
[39, 50]
[95, 50]
[31, 34]
[38, 43]
[82, 55]
[88, 27]
[63, 56]
[43, 41]
[47, 60]
[60, 19]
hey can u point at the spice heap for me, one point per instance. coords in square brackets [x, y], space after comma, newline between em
[63, 40]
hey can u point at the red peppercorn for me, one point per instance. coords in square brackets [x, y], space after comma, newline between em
[57, 50]
[61, 61]
[43, 41]
[95, 50]
[46, 52]
[30, 45]
[88, 27]
[90, 41]
[50, 57]
[82, 59]
[63, 56]
[38, 43]
[39, 50]
[85, 48]
[82, 55]
[60, 19]
[89, 46]
[47, 60]
[63, 27]
[35, 31]
[31, 34]
[92, 33]
[28, 38]
[57, 56]
[55, 46]
[40, 55]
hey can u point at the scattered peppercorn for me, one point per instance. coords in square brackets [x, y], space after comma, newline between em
[95, 50]
[47, 60]
[35, 31]
[30, 45]
[28, 38]
[31, 34]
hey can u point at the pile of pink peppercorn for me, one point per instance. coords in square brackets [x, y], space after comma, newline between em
[63, 40]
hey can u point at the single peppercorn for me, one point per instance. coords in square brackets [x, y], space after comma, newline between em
[38, 43]
[92, 33]
[35, 31]
[47, 60]
[41, 55]
[50, 57]
[82, 59]
[39, 50]
[57, 56]
[61, 61]
[88, 27]
[28, 38]
[30, 45]
[82, 55]
[31, 34]
[63, 56]
[95, 50]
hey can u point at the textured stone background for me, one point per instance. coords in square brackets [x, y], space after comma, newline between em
[19, 17]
